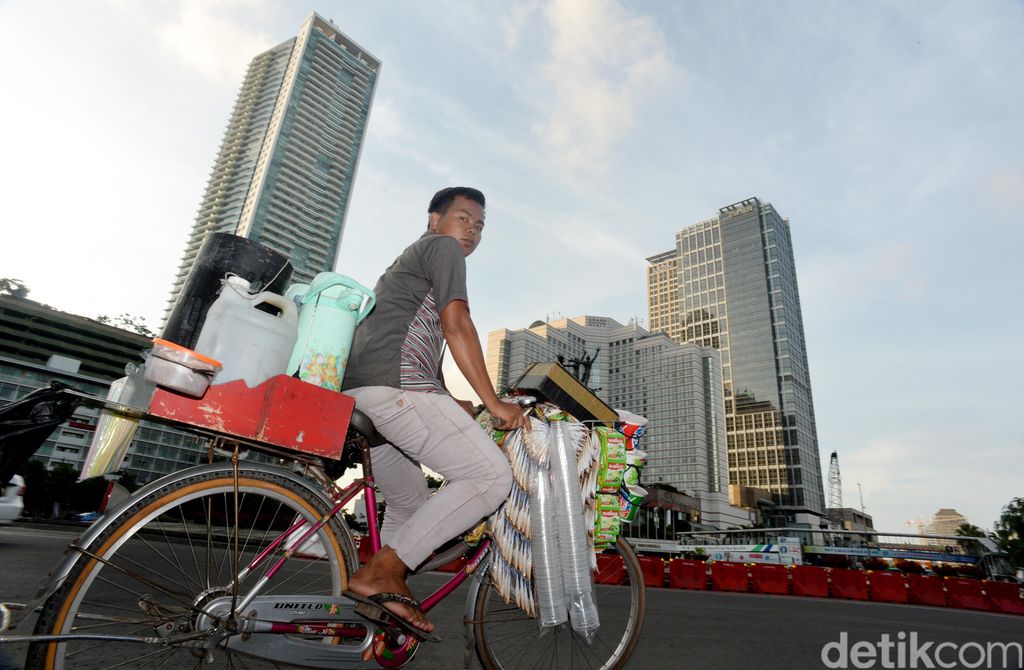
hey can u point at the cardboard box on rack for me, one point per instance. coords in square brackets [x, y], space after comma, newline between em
[552, 382]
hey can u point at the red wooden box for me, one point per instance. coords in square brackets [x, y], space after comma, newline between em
[282, 411]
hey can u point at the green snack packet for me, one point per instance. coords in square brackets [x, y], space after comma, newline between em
[613, 444]
[608, 523]
[607, 501]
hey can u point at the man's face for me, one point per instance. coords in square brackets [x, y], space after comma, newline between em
[464, 221]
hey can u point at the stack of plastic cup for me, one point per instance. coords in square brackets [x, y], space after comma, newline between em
[577, 577]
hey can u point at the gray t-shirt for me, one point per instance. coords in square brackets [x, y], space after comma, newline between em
[401, 342]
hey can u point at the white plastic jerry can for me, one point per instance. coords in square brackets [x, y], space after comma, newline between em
[331, 308]
[252, 344]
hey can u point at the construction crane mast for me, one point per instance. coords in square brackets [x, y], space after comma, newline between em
[835, 484]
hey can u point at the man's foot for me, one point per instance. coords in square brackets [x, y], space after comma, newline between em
[373, 609]
[385, 573]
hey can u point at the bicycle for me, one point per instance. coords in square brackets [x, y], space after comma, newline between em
[243, 564]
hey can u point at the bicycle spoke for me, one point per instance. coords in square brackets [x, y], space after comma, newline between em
[191, 547]
[252, 528]
[96, 644]
[506, 638]
[299, 572]
[185, 588]
[155, 570]
[184, 603]
[170, 551]
[162, 650]
[117, 622]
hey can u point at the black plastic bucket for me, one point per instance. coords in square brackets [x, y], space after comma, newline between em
[222, 253]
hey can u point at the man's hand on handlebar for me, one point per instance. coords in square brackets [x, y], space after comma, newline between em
[510, 415]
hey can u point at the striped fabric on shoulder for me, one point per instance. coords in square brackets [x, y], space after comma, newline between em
[421, 350]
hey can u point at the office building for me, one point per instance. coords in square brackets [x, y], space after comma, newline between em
[946, 521]
[33, 332]
[850, 518]
[284, 172]
[39, 344]
[678, 388]
[730, 283]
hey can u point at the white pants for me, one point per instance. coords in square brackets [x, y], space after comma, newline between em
[433, 430]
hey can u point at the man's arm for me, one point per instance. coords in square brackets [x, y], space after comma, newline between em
[464, 343]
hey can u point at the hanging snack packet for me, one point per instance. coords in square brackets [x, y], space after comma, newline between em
[607, 502]
[613, 459]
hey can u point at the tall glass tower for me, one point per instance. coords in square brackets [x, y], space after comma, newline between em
[284, 172]
[730, 283]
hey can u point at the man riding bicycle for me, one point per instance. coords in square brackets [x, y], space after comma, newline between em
[394, 373]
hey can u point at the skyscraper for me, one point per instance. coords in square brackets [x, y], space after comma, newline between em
[730, 283]
[284, 172]
[677, 387]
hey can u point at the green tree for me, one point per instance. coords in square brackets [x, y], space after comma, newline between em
[970, 530]
[37, 488]
[1009, 531]
[128, 322]
[128, 480]
[13, 287]
[63, 477]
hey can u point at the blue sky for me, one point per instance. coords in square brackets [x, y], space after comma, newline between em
[889, 134]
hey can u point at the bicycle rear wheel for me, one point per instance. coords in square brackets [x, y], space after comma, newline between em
[507, 638]
[158, 563]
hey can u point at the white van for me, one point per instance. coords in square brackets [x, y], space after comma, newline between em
[11, 500]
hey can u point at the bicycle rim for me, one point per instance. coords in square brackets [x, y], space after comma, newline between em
[506, 638]
[152, 571]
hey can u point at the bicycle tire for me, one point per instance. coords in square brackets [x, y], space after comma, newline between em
[157, 553]
[505, 637]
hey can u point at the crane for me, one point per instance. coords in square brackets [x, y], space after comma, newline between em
[835, 492]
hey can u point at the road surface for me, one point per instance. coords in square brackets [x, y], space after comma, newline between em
[683, 629]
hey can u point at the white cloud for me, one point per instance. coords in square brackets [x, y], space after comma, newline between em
[604, 64]
[519, 14]
[1007, 188]
[386, 121]
[910, 474]
[216, 39]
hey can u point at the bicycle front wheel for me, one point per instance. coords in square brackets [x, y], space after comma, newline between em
[163, 558]
[507, 638]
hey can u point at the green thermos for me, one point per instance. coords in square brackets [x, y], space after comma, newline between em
[330, 308]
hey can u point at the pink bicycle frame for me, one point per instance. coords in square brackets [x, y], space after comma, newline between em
[366, 485]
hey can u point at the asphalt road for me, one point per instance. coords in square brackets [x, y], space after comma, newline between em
[683, 629]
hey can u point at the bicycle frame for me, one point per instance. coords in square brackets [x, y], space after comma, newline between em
[365, 485]
[292, 538]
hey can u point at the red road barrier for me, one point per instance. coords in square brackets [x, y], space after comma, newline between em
[653, 569]
[687, 574]
[849, 584]
[767, 578]
[610, 569]
[965, 593]
[726, 576]
[810, 581]
[888, 587]
[925, 590]
[1003, 597]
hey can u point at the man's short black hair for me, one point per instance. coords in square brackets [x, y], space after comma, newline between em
[443, 199]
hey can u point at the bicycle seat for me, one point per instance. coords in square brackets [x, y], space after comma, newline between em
[362, 425]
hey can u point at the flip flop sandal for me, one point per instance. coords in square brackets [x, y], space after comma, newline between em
[372, 608]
